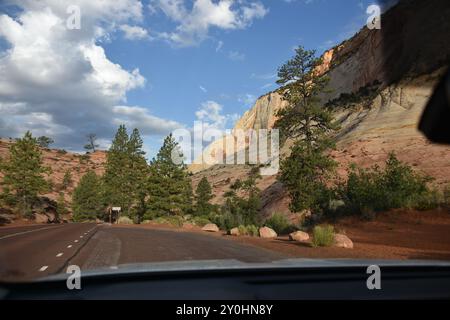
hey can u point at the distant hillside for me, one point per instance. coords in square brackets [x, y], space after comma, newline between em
[61, 161]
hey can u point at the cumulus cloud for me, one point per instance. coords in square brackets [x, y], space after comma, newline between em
[193, 24]
[60, 82]
[134, 32]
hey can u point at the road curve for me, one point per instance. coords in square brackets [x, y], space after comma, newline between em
[27, 253]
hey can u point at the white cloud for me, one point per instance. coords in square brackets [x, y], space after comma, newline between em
[60, 82]
[134, 32]
[236, 56]
[203, 89]
[193, 25]
[247, 99]
[219, 46]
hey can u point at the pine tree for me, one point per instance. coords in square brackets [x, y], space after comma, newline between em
[169, 187]
[67, 180]
[203, 194]
[306, 121]
[61, 208]
[23, 173]
[126, 173]
[86, 198]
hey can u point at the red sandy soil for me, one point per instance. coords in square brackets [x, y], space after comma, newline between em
[392, 235]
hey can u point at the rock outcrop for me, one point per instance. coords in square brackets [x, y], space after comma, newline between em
[400, 64]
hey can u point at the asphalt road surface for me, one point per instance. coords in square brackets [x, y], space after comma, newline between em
[31, 252]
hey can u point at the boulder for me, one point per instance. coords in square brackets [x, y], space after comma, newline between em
[342, 241]
[40, 218]
[266, 232]
[210, 227]
[235, 232]
[299, 236]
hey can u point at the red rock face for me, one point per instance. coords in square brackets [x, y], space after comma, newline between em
[61, 162]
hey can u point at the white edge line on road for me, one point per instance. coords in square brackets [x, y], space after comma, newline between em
[43, 268]
[76, 241]
[24, 232]
[69, 246]
[59, 254]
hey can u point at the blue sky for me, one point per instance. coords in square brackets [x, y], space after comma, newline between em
[166, 63]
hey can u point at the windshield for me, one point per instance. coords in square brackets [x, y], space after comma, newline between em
[144, 132]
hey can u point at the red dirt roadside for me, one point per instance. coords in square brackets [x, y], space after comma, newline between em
[392, 235]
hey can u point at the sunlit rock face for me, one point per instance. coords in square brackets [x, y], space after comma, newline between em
[405, 59]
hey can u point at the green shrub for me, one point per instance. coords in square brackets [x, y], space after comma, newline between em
[397, 186]
[146, 222]
[252, 230]
[242, 230]
[176, 221]
[200, 221]
[248, 230]
[279, 223]
[125, 220]
[323, 236]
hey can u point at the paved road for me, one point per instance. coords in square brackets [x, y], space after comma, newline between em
[35, 251]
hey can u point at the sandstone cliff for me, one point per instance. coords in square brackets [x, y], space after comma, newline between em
[389, 75]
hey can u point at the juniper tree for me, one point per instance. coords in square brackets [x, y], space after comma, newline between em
[67, 180]
[23, 173]
[44, 141]
[309, 124]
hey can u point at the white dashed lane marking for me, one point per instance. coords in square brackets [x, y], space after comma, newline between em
[43, 268]
[76, 241]
[59, 254]
[81, 236]
[69, 246]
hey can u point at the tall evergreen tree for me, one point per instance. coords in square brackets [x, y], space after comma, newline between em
[86, 198]
[126, 173]
[169, 187]
[309, 123]
[24, 172]
[203, 194]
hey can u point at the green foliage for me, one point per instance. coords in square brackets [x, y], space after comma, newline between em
[306, 169]
[169, 186]
[44, 142]
[91, 145]
[200, 221]
[279, 223]
[67, 180]
[61, 208]
[397, 186]
[176, 221]
[24, 172]
[125, 220]
[323, 236]
[203, 194]
[86, 198]
[61, 151]
[242, 202]
[126, 174]
[248, 230]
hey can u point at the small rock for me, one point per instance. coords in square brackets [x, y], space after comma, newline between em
[40, 218]
[266, 232]
[342, 241]
[235, 232]
[188, 225]
[210, 227]
[299, 236]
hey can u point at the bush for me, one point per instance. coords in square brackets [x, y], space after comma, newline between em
[125, 220]
[200, 221]
[397, 186]
[249, 230]
[176, 221]
[279, 223]
[323, 236]
[146, 222]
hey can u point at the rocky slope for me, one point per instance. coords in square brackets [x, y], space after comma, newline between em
[60, 162]
[380, 81]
